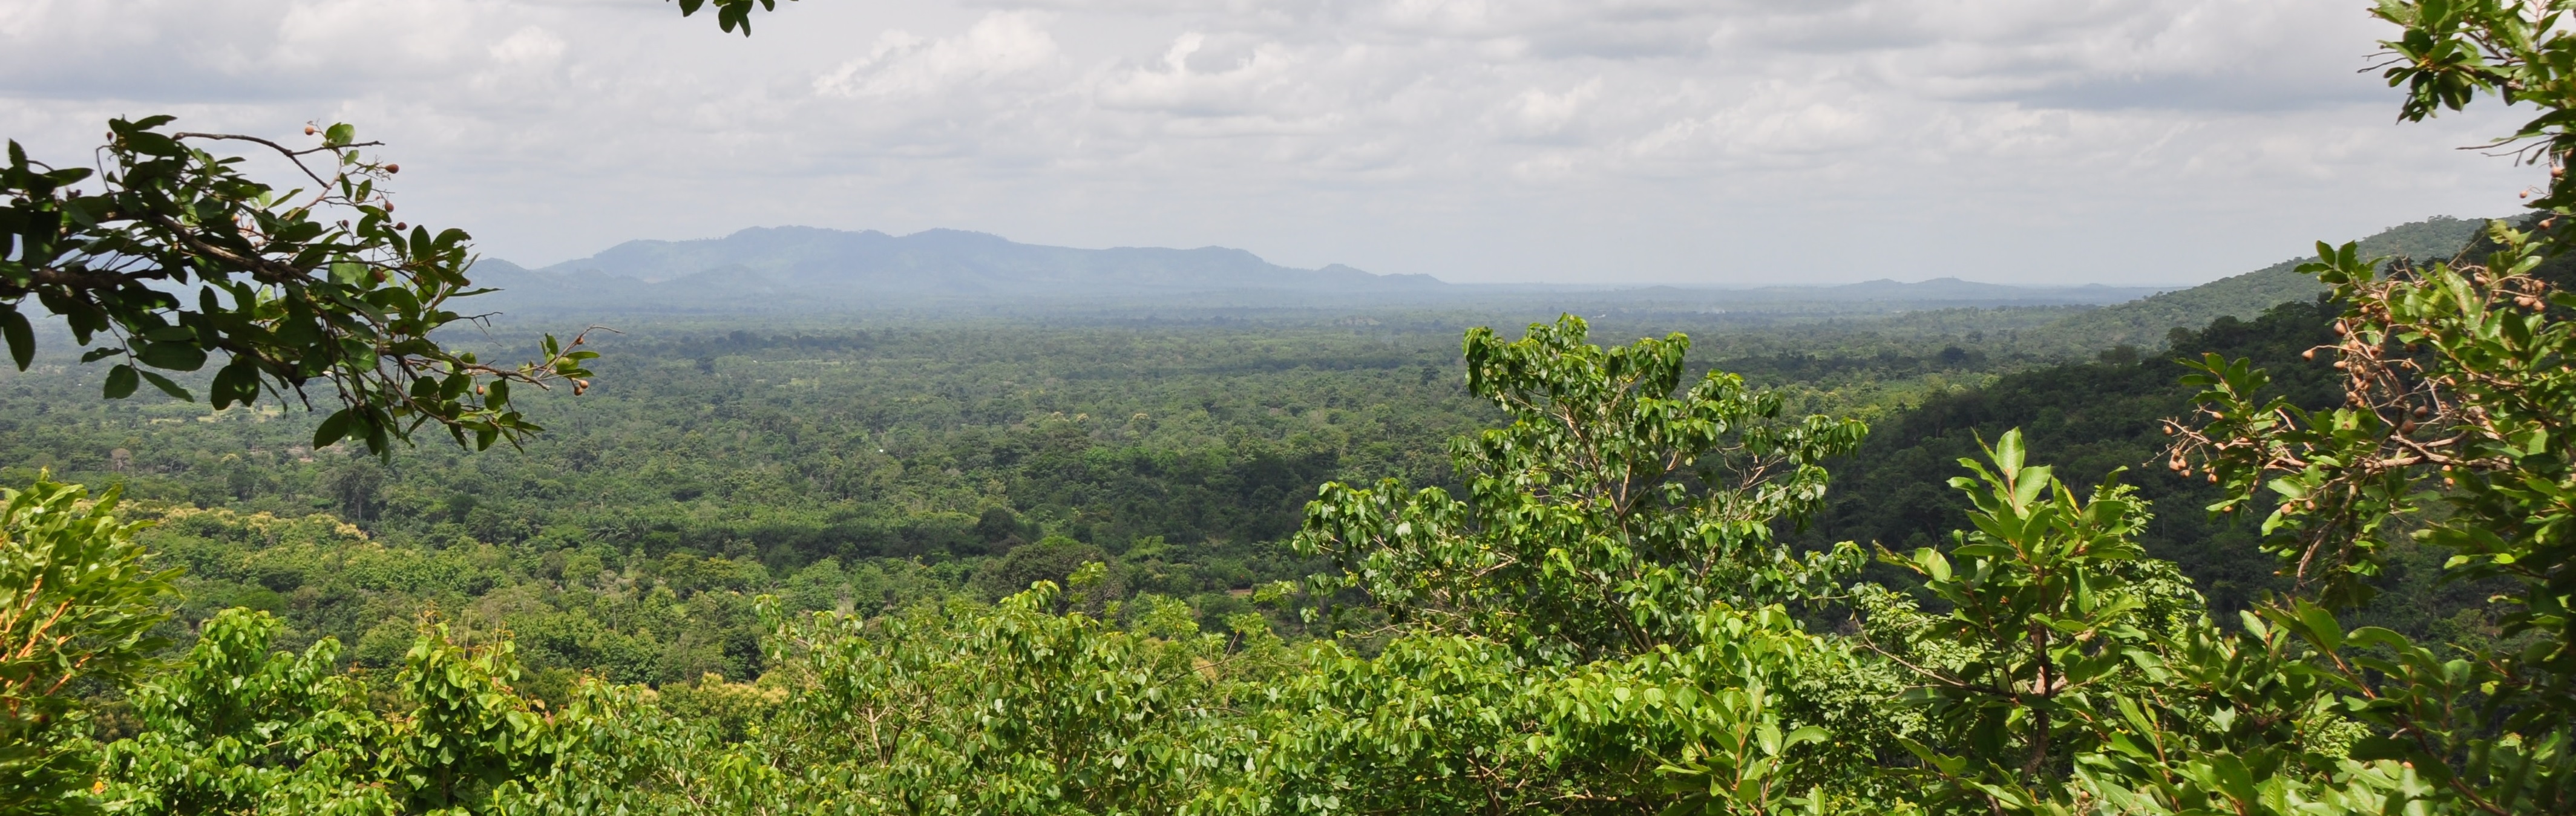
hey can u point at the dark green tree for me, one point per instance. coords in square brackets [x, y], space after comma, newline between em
[170, 259]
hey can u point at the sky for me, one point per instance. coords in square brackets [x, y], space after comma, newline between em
[1715, 143]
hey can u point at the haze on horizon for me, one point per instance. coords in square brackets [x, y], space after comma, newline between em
[1720, 143]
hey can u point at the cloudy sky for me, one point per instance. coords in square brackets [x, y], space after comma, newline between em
[1718, 142]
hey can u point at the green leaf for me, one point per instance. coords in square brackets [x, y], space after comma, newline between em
[333, 427]
[173, 356]
[166, 386]
[121, 382]
[22, 337]
[2007, 453]
[2320, 626]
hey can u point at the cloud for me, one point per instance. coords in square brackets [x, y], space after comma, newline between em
[528, 46]
[1715, 141]
[1001, 45]
[1538, 112]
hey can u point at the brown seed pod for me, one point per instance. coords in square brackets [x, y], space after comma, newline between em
[2310, 354]
[308, 130]
[393, 168]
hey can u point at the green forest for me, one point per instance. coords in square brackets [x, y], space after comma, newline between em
[851, 470]
[2297, 542]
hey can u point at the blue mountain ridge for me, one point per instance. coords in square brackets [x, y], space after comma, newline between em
[806, 268]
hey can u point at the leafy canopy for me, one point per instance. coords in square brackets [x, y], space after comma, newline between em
[1606, 515]
[172, 259]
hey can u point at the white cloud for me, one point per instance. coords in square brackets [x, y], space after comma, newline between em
[1540, 113]
[1000, 45]
[1719, 141]
[530, 45]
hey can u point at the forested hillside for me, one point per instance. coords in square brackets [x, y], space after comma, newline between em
[2145, 321]
[2095, 417]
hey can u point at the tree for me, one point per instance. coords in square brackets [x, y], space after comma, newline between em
[1612, 509]
[2455, 432]
[176, 257]
[77, 605]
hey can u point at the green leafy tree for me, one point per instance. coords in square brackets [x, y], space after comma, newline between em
[2039, 613]
[239, 728]
[2454, 433]
[2067, 673]
[1611, 510]
[176, 260]
[1013, 709]
[77, 603]
[467, 731]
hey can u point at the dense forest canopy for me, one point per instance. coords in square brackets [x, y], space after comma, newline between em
[916, 459]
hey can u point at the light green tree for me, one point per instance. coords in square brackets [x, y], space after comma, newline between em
[77, 603]
[1611, 510]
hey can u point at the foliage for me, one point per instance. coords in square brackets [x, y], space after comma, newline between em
[242, 729]
[1605, 515]
[2036, 609]
[730, 14]
[239, 728]
[77, 603]
[2100, 417]
[289, 287]
[1015, 709]
[2452, 434]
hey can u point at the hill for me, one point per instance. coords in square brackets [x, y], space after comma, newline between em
[2146, 321]
[2093, 418]
[806, 269]
[770, 268]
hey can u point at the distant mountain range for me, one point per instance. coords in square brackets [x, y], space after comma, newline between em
[769, 269]
[805, 267]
